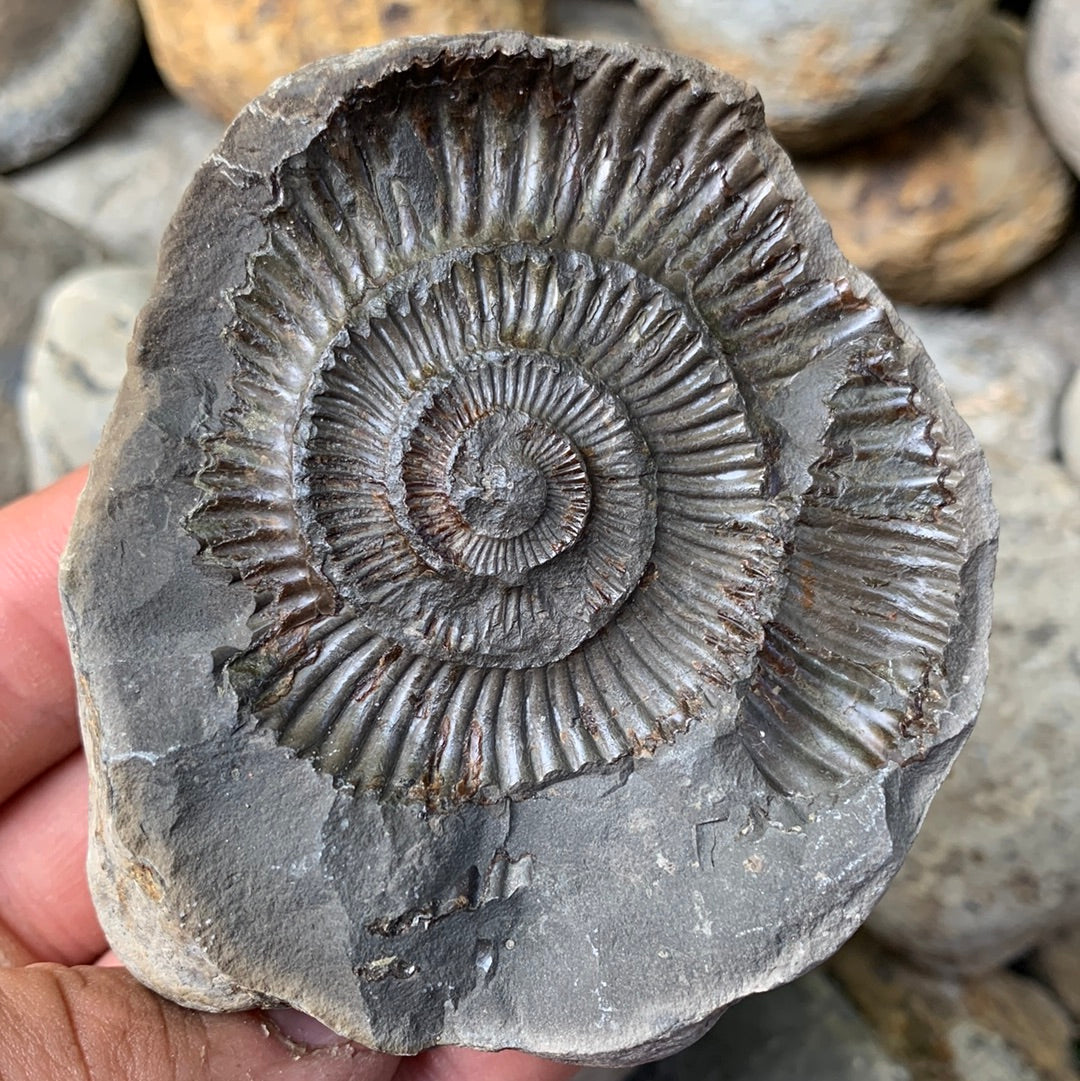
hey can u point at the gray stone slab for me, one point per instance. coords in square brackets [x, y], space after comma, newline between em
[806, 1031]
[530, 584]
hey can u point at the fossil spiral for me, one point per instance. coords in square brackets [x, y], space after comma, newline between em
[533, 476]
[513, 516]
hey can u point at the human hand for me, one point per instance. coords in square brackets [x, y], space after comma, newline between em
[67, 1010]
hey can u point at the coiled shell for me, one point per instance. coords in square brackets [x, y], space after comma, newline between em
[536, 499]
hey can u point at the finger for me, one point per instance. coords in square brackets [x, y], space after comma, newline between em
[99, 1024]
[459, 1064]
[109, 960]
[14, 953]
[37, 695]
[44, 896]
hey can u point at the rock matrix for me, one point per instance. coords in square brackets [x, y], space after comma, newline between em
[551, 579]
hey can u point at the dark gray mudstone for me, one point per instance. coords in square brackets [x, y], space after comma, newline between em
[61, 63]
[806, 1031]
[530, 585]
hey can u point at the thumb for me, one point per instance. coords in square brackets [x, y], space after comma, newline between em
[99, 1024]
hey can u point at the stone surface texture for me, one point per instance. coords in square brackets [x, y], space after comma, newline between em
[219, 54]
[601, 20]
[1045, 301]
[806, 1031]
[120, 183]
[531, 584]
[1058, 964]
[76, 362]
[36, 249]
[953, 203]
[828, 70]
[996, 867]
[1054, 73]
[61, 64]
[1005, 381]
[1070, 428]
[997, 1027]
[12, 454]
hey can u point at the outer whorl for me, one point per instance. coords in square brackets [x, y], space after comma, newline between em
[515, 493]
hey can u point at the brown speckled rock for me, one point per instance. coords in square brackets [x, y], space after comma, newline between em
[953, 203]
[1004, 380]
[997, 1027]
[828, 70]
[219, 54]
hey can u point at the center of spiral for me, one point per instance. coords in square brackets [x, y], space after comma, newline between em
[495, 480]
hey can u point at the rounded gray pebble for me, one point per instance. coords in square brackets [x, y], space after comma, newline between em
[61, 64]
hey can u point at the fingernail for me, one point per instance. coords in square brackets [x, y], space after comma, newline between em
[302, 1030]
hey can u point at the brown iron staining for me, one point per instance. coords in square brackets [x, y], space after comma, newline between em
[501, 472]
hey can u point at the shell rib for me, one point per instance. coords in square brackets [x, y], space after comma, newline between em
[490, 287]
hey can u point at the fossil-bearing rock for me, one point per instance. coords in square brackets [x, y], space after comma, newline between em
[531, 584]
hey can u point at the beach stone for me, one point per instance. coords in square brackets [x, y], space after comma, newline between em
[996, 868]
[1045, 300]
[1005, 381]
[1054, 73]
[35, 250]
[12, 455]
[806, 1031]
[77, 359]
[1070, 427]
[953, 203]
[829, 71]
[219, 54]
[121, 183]
[473, 651]
[1057, 963]
[996, 1027]
[601, 20]
[61, 64]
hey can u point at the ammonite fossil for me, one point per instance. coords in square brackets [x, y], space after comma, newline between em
[530, 585]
